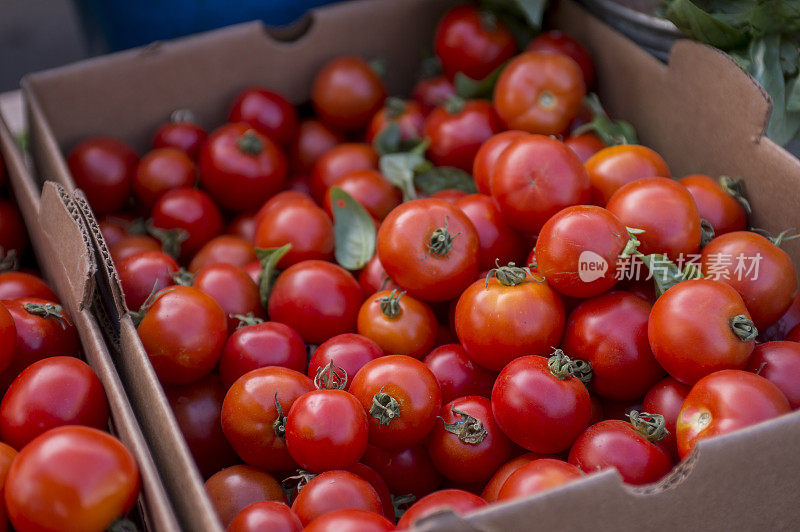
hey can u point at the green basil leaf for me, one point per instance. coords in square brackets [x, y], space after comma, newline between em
[666, 273]
[269, 258]
[703, 26]
[611, 132]
[766, 69]
[770, 17]
[532, 11]
[399, 169]
[443, 178]
[469, 89]
[354, 231]
[388, 140]
[793, 94]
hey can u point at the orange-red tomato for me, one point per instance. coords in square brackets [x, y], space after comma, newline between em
[346, 92]
[612, 167]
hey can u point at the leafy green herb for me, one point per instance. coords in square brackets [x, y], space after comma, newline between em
[354, 231]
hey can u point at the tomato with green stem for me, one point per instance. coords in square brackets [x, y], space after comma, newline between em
[537, 476]
[398, 323]
[142, 273]
[337, 162]
[666, 398]
[348, 351]
[779, 363]
[335, 490]
[720, 202]
[373, 278]
[615, 166]
[456, 373]
[266, 515]
[103, 168]
[235, 488]
[346, 93]
[268, 112]
[191, 212]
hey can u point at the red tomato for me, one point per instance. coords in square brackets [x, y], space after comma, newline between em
[368, 187]
[143, 273]
[181, 134]
[8, 339]
[402, 398]
[430, 248]
[398, 323]
[618, 444]
[664, 210]
[492, 488]
[379, 485]
[7, 455]
[457, 374]
[373, 278]
[313, 140]
[233, 289]
[14, 285]
[698, 327]
[432, 92]
[406, 471]
[510, 315]
[192, 211]
[224, 249]
[132, 245]
[554, 41]
[458, 501]
[254, 415]
[407, 115]
[450, 195]
[258, 346]
[240, 167]
[162, 170]
[103, 168]
[350, 521]
[346, 92]
[779, 363]
[317, 299]
[610, 332]
[335, 490]
[486, 158]
[457, 129]
[235, 488]
[467, 41]
[498, 242]
[615, 166]
[534, 178]
[537, 409]
[760, 271]
[539, 93]
[12, 230]
[348, 352]
[777, 331]
[339, 161]
[183, 333]
[71, 479]
[716, 204]
[267, 112]
[537, 476]
[665, 398]
[726, 401]
[244, 227]
[266, 515]
[585, 145]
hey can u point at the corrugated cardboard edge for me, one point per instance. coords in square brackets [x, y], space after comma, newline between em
[62, 248]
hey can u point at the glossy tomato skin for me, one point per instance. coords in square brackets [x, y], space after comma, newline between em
[665, 210]
[7, 455]
[615, 166]
[779, 363]
[12, 229]
[183, 135]
[485, 312]
[584, 145]
[191, 210]
[313, 139]
[430, 93]
[241, 168]
[183, 333]
[537, 476]
[406, 114]
[411, 332]
[465, 43]
[268, 112]
[610, 332]
[317, 299]
[486, 158]
[554, 41]
[162, 170]
[373, 278]
[459, 501]
[14, 285]
[378, 484]
[249, 413]
[718, 207]
[243, 227]
[337, 162]
[131, 245]
[617, 444]
[346, 92]
[537, 410]
[350, 520]
[141, 273]
[495, 484]
[404, 249]
[498, 242]
[690, 330]
[767, 280]
[71, 479]
[103, 168]
[534, 178]
[666, 398]
[266, 515]
[726, 401]
[539, 93]
[8, 338]
[460, 458]
[369, 188]
[335, 490]
[258, 346]
[416, 395]
[349, 352]
[456, 373]
[232, 289]
[51, 393]
[406, 470]
[456, 134]
[224, 249]
[235, 488]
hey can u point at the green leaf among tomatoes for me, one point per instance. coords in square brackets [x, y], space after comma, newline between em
[470, 89]
[354, 231]
[400, 168]
[611, 132]
[667, 274]
[269, 262]
[443, 178]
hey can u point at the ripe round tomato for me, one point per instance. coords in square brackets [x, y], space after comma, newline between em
[243, 227]
[486, 158]
[313, 140]
[258, 346]
[197, 407]
[325, 430]
[665, 398]
[235, 488]
[406, 471]
[457, 129]
[378, 484]
[317, 299]
[224, 249]
[610, 332]
[142, 273]
[192, 211]
[103, 168]
[183, 333]
[556, 42]
[716, 204]
[8, 338]
[534, 178]
[266, 515]
[181, 134]
[779, 363]
[498, 243]
[450, 195]
[14, 285]
[458, 501]
[346, 92]
[240, 167]
[585, 145]
[407, 114]
[618, 444]
[252, 421]
[350, 521]
[232, 289]
[369, 188]
[538, 410]
[472, 42]
[335, 490]
[349, 352]
[615, 166]
[71, 479]
[402, 398]
[430, 93]
[13, 236]
[51, 393]
[337, 162]
[510, 315]
[456, 373]
[398, 323]
[726, 401]
[267, 112]
[131, 245]
[162, 170]
[467, 445]
[492, 488]
[664, 210]
[373, 278]
[760, 271]
[430, 248]
[539, 92]
[698, 327]
[537, 476]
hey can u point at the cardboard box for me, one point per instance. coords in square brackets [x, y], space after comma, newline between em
[701, 112]
[65, 255]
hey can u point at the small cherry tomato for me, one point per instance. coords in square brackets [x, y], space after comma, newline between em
[192, 211]
[243, 226]
[373, 278]
[103, 168]
[348, 352]
[537, 476]
[235, 488]
[584, 145]
[486, 158]
[556, 42]
[456, 373]
[266, 515]
[233, 289]
[224, 249]
[498, 242]
[379, 485]
[398, 323]
[337, 162]
[430, 93]
[14, 285]
[350, 520]
[313, 140]
[369, 188]
[335, 490]
[457, 129]
[716, 202]
[779, 363]
[458, 501]
[492, 488]
[406, 471]
[346, 92]
[143, 273]
[162, 170]
[615, 166]
[132, 245]
[181, 134]
[12, 230]
[267, 112]
[406, 114]
[665, 398]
